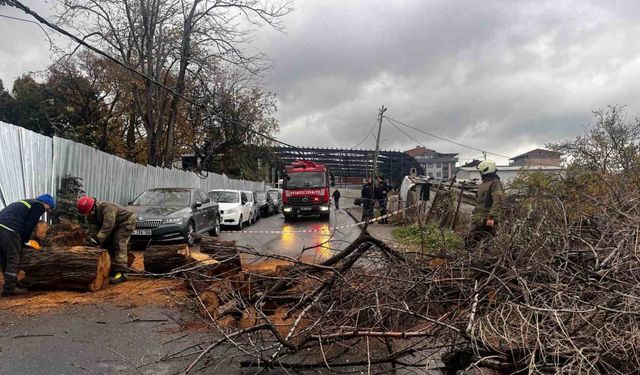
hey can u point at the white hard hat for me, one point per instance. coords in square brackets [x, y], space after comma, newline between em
[487, 166]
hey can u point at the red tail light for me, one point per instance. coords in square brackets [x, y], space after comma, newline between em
[326, 195]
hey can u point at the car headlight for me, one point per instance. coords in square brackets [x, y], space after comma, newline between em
[324, 208]
[231, 211]
[287, 209]
[173, 220]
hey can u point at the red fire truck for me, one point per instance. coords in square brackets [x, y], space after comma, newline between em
[305, 190]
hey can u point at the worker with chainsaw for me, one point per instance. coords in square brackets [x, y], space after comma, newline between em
[113, 226]
[17, 222]
[487, 212]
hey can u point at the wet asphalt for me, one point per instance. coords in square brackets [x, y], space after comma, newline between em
[310, 239]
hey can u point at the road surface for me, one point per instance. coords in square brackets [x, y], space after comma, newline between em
[104, 338]
[320, 242]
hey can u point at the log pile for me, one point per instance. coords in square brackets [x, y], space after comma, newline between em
[61, 267]
[65, 233]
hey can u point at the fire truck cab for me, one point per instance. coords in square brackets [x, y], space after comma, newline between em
[306, 190]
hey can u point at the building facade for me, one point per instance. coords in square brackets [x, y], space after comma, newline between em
[537, 157]
[435, 164]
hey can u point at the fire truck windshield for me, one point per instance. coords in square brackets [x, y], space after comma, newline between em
[305, 180]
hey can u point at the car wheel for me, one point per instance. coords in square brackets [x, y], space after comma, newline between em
[240, 223]
[216, 228]
[191, 234]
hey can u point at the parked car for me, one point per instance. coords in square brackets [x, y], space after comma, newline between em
[169, 214]
[265, 203]
[276, 196]
[234, 207]
[255, 213]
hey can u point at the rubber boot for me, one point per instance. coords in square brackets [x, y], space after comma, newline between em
[118, 278]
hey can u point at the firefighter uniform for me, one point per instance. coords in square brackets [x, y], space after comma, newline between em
[488, 207]
[116, 224]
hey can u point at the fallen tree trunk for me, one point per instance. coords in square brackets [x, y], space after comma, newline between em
[165, 258]
[224, 252]
[75, 268]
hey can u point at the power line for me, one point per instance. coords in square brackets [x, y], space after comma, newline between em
[365, 137]
[445, 139]
[82, 42]
[405, 133]
[31, 21]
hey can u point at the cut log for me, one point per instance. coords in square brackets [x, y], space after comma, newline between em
[225, 252]
[66, 268]
[220, 299]
[165, 258]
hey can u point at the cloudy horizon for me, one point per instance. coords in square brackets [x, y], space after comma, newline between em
[499, 75]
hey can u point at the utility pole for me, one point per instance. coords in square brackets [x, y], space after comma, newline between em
[374, 174]
[375, 156]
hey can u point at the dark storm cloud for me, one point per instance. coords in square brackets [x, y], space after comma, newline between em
[501, 75]
[504, 76]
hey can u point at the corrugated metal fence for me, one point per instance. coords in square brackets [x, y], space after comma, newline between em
[32, 164]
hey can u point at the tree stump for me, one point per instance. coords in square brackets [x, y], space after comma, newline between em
[66, 268]
[165, 258]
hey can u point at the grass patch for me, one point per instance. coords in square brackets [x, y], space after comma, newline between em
[430, 237]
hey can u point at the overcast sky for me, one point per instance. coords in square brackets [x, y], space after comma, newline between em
[505, 76]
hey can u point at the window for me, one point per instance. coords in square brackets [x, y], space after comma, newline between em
[430, 165]
[438, 174]
[202, 197]
[445, 173]
[438, 165]
[164, 197]
[305, 180]
[224, 196]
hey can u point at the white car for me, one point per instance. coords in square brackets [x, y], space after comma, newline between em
[251, 201]
[234, 206]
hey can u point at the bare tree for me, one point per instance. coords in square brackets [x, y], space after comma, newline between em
[170, 41]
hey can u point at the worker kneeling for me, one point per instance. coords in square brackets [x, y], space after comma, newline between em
[17, 222]
[113, 226]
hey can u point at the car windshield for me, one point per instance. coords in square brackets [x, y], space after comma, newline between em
[305, 179]
[225, 196]
[273, 194]
[163, 197]
[261, 196]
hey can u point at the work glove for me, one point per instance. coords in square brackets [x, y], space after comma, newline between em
[32, 244]
[490, 223]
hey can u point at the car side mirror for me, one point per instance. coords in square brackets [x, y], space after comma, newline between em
[197, 204]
